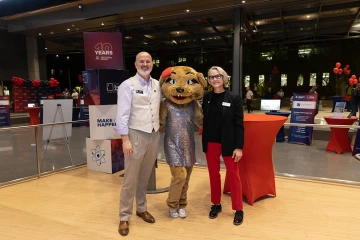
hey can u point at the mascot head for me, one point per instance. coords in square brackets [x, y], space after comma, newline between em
[182, 85]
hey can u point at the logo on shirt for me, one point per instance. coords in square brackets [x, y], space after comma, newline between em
[139, 91]
[106, 122]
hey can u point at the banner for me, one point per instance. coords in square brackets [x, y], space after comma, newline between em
[84, 113]
[103, 50]
[4, 111]
[303, 111]
[356, 148]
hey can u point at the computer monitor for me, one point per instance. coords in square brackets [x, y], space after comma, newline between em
[270, 104]
[31, 104]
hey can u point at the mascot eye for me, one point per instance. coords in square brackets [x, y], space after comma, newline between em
[171, 81]
[191, 82]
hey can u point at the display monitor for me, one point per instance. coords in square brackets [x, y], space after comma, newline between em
[270, 104]
[31, 104]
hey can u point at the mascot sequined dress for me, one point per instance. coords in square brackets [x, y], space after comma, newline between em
[179, 113]
[179, 135]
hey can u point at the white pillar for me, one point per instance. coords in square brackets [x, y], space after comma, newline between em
[32, 58]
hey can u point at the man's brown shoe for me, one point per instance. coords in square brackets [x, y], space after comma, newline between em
[147, 217]
[123, 228]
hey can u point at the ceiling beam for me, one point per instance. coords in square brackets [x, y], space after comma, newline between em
[318, 17]
[216, 31]
[352, 21]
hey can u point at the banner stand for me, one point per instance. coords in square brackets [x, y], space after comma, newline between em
[58, 110]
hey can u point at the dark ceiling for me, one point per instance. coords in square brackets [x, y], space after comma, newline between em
[13, 7]
[208, 25]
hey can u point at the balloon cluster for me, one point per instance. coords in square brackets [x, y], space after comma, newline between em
[353, 80]
[36, 83]
[275, 70]
[17, 81]
[53, 82]
[27, 83]
[80, 77]
[338, 70]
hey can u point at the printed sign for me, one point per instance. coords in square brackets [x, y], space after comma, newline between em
[339, 109]
[103, 122]
[4, 111]
[303, 111]
[103, 50]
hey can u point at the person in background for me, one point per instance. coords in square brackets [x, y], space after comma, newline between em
[75, 96]
[223, 135]
[269, 94]
[314, 90]
[66, 93]
[137, 121]
[249, 98]
[280, 95]
[355, 99]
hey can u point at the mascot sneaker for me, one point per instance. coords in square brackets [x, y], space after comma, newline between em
[182, 212]
[173, 213]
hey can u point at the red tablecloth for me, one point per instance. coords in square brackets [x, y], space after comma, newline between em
[34, 115]
[339, 140]
[256, 167]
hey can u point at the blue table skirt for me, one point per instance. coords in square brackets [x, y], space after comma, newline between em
[336, 99]
[280, 137]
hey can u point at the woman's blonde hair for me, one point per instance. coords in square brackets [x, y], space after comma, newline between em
[221, 71]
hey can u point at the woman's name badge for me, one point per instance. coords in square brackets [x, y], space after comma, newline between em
[226, 104]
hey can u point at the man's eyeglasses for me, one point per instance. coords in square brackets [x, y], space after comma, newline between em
[218, 76]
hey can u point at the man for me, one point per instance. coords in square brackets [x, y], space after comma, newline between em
[75, 97]
[355, 99]
[313, 90]
[137, 122]
[269, 94]
[249, 97]
[66, 94]
[280, 95]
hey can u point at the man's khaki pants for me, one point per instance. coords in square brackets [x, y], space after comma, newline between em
[178, 187]
[138, 168]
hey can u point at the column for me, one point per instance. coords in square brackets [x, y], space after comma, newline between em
[237, 75]
[32, 58]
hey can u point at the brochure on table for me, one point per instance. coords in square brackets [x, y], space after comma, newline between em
[339, 110]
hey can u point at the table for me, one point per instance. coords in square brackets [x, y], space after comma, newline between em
[339, 140]
[34, 115]
[280, 137]
[336, 99]
[256, 166]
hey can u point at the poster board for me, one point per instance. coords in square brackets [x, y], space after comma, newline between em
[102, 122]
[4, 111]
[52, 114]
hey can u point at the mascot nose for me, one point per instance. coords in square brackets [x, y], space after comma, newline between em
[179, 89]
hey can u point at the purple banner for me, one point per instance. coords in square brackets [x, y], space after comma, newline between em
[4, 111]
[356, 149]
[303, 111]
[103, 50]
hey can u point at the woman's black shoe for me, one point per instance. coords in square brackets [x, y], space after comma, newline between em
[215, 209]
[239, 216]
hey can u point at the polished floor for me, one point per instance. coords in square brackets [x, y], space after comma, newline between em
[83, 205]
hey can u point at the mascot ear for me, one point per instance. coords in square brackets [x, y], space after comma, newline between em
[201, 79]
[166, 73]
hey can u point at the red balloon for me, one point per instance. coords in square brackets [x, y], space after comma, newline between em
[336, 70]
[353, 76]
[348, 72]
[337, 65]
[340, 71]
[351, 81]
[347, 66]
[355, 81]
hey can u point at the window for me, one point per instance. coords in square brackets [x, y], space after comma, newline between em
[182, 59]
[247, 80]
[325, 79]
[283, 80]
[312, 79]
[300, 80]
[261, 79]
[266, 56]
[156, 62]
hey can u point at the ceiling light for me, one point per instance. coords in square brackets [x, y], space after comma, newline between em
[68, 29]
[67, 57]
[177, 32]
[46, 48]
[187, 10]
[39, 34]
[73, 25]
[258, 22]
[51, 32]
[243, 1]
[308, 16]
[57, 56]
[102, 24]
[141, 18]
[80, 6]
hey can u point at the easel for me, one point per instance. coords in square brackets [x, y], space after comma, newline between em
[58, 109]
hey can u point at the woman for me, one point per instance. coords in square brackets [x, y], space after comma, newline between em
[223, 134]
